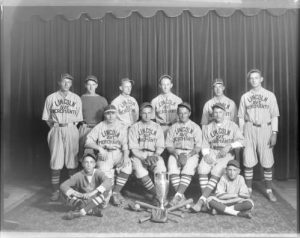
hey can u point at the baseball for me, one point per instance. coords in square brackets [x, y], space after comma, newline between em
[137, 206]
[188, 206]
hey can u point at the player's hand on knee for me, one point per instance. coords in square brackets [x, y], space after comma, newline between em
[210, 158]
[102, 154]
[77, 194]
[272, 140]
[182, 159]
[223, 152]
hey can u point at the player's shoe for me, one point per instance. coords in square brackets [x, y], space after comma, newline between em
[246, 214]
[55, 196]
[271, 196]
[72, 215]
[214, 212]
[177, 199]
[117, 199]
[198, 206]
[97, 211]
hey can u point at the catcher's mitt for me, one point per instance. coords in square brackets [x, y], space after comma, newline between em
[150, 161]
[159, 215]
[210, 158]
[182, 159]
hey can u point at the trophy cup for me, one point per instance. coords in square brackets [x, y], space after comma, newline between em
[161, 181]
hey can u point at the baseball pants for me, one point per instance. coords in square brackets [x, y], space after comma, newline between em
[63, 143]
[229, 202]
[83, 132]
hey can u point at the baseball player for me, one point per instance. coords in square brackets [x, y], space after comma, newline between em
[146, 142]
[231, 110]
[62, 111]
[109, 138]
[87, 191]
[127, 106]
[220, 137]
[184, 140]
[92, 110]
[165, 104]
[258, 118]
[232, 195]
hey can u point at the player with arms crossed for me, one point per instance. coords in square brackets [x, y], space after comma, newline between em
[146, 141]
[109, 138]
[165, 104]
[87, 191]
[232, 195]
[184, 140]
[127, 106]
[258, 118]
[220, 137]
[92, 110]
[62, 112]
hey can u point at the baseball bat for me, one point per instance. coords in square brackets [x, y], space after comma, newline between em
[190, 200]
[144, 219]
[176, 214]
[146, 205]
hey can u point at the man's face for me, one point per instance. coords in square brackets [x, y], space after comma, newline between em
[183, 114]
[219, 89]
[232, 172]
[255, 79]
[146, 114]
[219, 114]
[88, 164]
[126, 88]
[91, 86]
[110, 117]
[65, 84]
[166, 85]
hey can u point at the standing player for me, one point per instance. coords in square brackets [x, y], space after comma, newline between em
[127, 106]
[92, 110]
[229, 105]
[232, 195]
[109, 138]
[62, 111]
[258, 118]
[165, 104]
[146, 141]
[220, 137]
[88, 190]
[184, 140]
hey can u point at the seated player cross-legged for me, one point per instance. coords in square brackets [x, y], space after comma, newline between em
[232, 194]
[184, 140]
[87, 191]
[220, 137]
[146, 141]
[109, 138]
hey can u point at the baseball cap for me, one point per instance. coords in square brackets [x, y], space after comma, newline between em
[91, 78]
[126, 80]
[218, 81]
[145, 104]
[110, 108]
[165, 76]
[186, 105]
[253, 71]
[219, 105]
[90, 154]
[234, 163]
[66, 76]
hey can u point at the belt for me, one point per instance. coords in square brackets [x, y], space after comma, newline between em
[148, 150]
[165, 124]
[64, 124]
[259, 125]
[217, 147]
[89, 125]
[111, 149]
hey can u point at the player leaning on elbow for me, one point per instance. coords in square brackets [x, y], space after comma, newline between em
[258, 119]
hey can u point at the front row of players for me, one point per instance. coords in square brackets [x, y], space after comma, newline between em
[146, 142]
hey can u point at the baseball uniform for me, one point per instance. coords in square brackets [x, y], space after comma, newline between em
[63, 138]
[92, 112]
[128, 109]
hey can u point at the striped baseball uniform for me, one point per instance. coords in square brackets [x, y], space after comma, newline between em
[258, 108]
[215, 137]
[184, 137]
[92, 112]
[63, 138]
[146, 137]
[165, 110]
[112, 138]
[231, 110]
[128, 109]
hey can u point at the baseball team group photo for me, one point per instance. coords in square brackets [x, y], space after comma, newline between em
[146, 125]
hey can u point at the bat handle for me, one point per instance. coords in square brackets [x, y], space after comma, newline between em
[144, 219]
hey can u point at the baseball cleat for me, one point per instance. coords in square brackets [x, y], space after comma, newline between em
[117, 199]
[97, 211]
[245, 215]
[271, 196]
[55, 196]
[197, 207]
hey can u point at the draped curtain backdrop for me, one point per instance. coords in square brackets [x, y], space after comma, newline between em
[193, 49]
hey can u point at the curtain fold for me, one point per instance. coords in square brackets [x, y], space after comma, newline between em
[194, 50]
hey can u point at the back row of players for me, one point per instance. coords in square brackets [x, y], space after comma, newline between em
[165, 124]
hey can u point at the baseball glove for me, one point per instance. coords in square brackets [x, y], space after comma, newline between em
[159, 215]
[210, 158]
[151, 161]
[182, 159]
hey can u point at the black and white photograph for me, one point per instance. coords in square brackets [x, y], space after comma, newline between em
[149, 118]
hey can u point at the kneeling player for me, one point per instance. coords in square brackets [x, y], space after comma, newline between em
[232, 194]
[146, 141]
[87, 191]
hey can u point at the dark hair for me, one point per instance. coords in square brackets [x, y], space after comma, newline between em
[253, 71]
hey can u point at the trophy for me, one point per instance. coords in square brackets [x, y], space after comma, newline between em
[161, 181]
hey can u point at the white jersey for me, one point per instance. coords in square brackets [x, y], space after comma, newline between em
[128, 109]
[60, 109]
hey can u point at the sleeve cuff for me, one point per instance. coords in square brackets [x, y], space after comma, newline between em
[101, 189]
